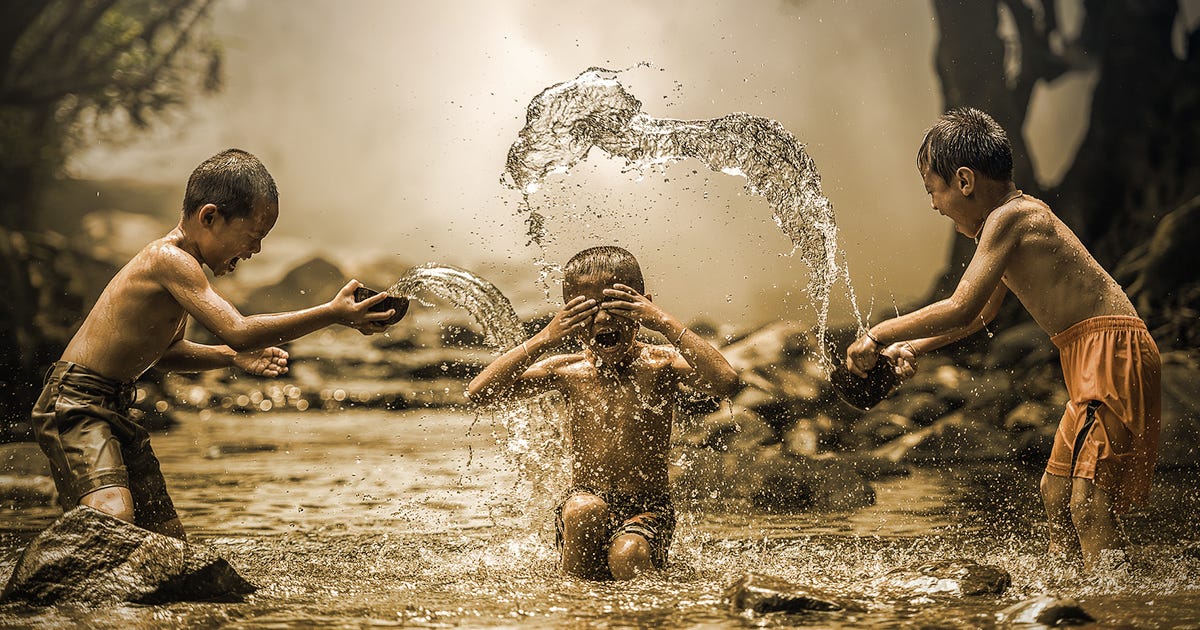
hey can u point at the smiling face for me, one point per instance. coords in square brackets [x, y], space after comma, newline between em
[608, 336]
[951, 201]
[235, 239]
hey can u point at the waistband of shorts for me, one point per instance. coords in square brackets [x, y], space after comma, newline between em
[1091, 325]
[91, 380]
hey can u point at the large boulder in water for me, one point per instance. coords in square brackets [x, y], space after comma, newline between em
[945, 577]
[1044, 611]
[90, 557]
[764, 594]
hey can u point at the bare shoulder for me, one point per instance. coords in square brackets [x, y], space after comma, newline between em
[165, 260]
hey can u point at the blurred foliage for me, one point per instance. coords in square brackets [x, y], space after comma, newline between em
[73, 72]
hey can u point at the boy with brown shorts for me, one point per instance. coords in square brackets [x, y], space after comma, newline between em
[101, 458]
[1107, 441]
[617, 520]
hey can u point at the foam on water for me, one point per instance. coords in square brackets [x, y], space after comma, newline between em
[566, 120]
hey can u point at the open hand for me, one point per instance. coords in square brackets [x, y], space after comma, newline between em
[266, 362]
[625, 301]
[574, 318]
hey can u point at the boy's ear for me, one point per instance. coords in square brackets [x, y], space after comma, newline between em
[964, 180]
[207, 214]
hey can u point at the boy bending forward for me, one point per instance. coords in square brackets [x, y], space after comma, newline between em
[617, 520]
[1107, 441]
[101, 458]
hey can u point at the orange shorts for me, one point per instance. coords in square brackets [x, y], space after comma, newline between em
[1109, 432]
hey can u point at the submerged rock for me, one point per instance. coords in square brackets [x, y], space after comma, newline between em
[90, 557]
[1046, 610]
[958, 576]
[765, 594]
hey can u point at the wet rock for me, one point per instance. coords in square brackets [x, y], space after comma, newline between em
[777, 343]
[1030, 415]
[790, 482]
[990, 393]
[1047, 611]
[1023, 344]
[217, 451]
[958, 576]
[92, 558]
[26, 491]
[764, 594]
[956, 437]
[921, 407]
[876, 428]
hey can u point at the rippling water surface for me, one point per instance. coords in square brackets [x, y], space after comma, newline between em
[416, 518]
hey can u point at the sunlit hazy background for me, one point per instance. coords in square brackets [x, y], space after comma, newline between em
[386, 126]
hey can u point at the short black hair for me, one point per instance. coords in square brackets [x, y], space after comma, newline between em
[966, 137]
[605, 259]
[232, 180]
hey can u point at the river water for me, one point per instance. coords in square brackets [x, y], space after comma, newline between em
[416, 518]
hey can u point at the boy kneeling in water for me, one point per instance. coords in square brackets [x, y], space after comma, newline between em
[617, 519]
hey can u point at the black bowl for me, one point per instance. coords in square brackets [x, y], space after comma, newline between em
[398, 303]
[865, 393]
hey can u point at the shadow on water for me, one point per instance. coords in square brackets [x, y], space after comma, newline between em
[413, 518]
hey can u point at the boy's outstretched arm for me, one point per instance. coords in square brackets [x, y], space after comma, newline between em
[188, 356]
[181, 275]
[506, 375]
[703, 366]
[977, 289]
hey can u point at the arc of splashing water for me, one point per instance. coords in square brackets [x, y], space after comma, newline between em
[535, 443]
[566, 120]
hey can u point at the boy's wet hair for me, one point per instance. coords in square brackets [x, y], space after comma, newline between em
[966, 137]
[232, 180]
[608, 259]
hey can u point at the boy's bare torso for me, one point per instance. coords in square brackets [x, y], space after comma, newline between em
[1049, 270]
[133, 322]
[620, 419]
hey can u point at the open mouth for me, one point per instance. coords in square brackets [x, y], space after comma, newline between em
[607, 339]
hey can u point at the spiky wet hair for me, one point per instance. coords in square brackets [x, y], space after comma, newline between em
[232, 180]
[608, 259]
[966, 137]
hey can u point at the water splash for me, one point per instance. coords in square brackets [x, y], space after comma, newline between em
[535, 444]
[566, 120]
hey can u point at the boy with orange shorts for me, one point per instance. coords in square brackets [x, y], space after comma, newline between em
[1107, 442]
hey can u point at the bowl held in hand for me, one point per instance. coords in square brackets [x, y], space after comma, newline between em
[400, 304]
[865, 393]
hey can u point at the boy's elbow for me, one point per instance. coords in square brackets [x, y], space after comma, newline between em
[728, 384]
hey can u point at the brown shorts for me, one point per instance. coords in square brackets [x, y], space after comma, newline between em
[1109, 431]
[82, 425]
[651, 516]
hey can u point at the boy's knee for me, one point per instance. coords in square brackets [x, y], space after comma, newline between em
[630, 548]
[628, 556]
[584, 510]
[114, 501]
